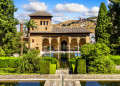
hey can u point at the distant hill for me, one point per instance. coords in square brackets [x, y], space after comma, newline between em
[89, 23]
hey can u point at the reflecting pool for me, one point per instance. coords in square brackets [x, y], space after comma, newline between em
[62, 57]
[22, 83]
[100, 83]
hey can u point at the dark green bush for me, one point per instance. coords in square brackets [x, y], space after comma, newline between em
[29, 63]
[52, 68]
[8, 62]
[81, 67]
[44, 67]
[115, 59]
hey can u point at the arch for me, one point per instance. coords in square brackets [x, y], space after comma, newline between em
[45, 44]
[54, 44]
[82, 41]
[64, 45]
[73, 45]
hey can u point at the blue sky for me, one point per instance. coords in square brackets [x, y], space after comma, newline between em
[62, 10]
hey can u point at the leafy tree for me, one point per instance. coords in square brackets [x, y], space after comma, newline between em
[29, 24]
[103, 25]
[97, 58]
[114, 12]
[9, 37]
[29, 63]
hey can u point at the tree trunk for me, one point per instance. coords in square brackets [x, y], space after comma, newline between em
[29, 39]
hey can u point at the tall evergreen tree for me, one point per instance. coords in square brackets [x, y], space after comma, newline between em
[9, 36]
[103, 25]
[114, 10]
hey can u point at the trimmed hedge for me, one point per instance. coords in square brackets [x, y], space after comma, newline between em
[115, 59]
[44, 67]
[51, 60]
[9, 62]
[8, 70]
[81, 67]
[52, 68]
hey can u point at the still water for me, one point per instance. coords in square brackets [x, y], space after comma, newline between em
[62, 57]
[22, 83]
[94, 83]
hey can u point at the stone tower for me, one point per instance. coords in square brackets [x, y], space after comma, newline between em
[42, 19]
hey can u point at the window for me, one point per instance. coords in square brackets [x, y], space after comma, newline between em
[40, 22]
[47, 22]
[46, 28]
[32, 40]
[44, 22]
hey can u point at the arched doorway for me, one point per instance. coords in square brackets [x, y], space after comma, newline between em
[82, 41]
[54, 44]
[45, 44]
[64, 45]
[73, 45]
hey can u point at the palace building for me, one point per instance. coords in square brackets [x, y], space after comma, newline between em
[44, 37]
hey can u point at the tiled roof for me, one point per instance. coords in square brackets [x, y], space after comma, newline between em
[40, 13]
[65, 30]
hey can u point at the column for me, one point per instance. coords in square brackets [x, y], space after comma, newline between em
[58, 43]
[78, 41]
[50, 45]
[21, 30]
[69, 42]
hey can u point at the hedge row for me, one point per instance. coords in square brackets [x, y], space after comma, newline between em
[44, 67]
[8, 62]
[81, 67]
[115, 59]
[51, 60]
[52, 68]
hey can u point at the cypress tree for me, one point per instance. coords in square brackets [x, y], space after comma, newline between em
[103, 24]
[9, 37]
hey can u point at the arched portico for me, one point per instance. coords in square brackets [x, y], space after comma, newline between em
[63, 43]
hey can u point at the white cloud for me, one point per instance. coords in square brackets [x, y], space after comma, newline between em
[34, 6]
[57, 20]
[92, 12]
[72, 7]
[58, 14]
[22, 16]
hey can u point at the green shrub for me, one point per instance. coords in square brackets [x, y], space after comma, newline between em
[115, 59]
[96, 53]
[81, 67]
[52, 68]
[72, 61]
[73, 67]
[102, 65]
[8, 70]
[51, 60]
[44, 67]
[2, 52]
[29, 63]
[9, 62]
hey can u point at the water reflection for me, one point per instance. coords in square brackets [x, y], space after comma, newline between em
[22, 83]
[59, 55]
[90, 83]
[62, 57]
